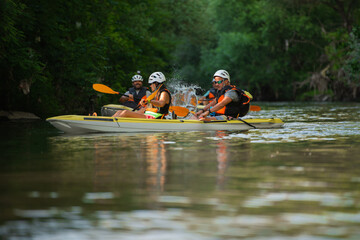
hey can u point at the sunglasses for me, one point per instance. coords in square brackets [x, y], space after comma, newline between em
[218, 82]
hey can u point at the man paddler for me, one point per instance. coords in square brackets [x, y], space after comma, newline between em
[230, 102]
[157, 106]
[133, 96]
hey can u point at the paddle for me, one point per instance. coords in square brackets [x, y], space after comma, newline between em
[104, 89]
[149, 98]
[180, 111]
[247, 123]
[217, 121]
[206, 99]
[253, 108]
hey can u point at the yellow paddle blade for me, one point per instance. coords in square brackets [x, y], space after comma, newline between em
[180, 111]
[255, 108]
[151, 97]
[103, 88]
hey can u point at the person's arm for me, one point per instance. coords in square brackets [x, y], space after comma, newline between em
[207, 107]
[217, 106]
[164, 99]
[126, 97]
[142, 101]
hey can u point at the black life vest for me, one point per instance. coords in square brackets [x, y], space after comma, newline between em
[165, 108]
[138, 96]
[233, 109]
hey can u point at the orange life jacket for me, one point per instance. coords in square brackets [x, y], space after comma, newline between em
[212, 94]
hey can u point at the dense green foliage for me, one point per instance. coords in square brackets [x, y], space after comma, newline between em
[285, 50]
[52, 51]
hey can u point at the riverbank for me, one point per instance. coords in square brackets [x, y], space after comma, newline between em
[17, 115]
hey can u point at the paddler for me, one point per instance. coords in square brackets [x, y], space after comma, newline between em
[210, 95]
[133, 96]
[158, 106]
[230, 102]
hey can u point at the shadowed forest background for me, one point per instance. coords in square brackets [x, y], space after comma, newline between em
[51, 52]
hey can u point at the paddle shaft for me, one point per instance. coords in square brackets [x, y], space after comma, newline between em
[217, 121]
[149, 98]
[253, 108]
[247, 123]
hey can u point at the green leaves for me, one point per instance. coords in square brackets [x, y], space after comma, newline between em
[269, 47]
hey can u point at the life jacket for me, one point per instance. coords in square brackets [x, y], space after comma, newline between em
[138, 96]
[212, 94]
[165, 109]
[234, 109]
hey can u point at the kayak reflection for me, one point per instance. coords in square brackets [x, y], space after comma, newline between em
[222, 159]
[156, 163]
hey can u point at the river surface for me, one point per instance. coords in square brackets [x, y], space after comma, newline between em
[301, 181]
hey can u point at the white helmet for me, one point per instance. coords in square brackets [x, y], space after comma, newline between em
[137, 78]
[223, 74]
[157, 77]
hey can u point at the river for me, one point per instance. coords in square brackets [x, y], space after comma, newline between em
[301, 181]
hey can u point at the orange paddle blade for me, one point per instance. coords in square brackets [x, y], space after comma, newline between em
[180, 111]
[151, 97]
[103, 88]
[255, 108]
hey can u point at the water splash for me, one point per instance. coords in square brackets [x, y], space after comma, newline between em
[183, 94]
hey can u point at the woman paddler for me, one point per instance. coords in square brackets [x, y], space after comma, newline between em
[157, 106]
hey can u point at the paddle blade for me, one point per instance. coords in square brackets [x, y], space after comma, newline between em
[180, 111]
[151, 97]
[255, 108]
[103, 88]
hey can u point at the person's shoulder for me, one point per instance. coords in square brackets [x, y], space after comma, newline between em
[232, 93]
[166, 92]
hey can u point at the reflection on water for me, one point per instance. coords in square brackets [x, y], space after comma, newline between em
[298, 182]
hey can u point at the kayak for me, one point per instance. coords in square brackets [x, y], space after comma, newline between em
[111, 109]
[79, 124]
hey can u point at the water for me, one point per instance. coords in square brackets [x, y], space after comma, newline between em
[184, 96]
[298, 182]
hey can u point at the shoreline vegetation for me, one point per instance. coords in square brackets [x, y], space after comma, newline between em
[17, 115]
[51, 52]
